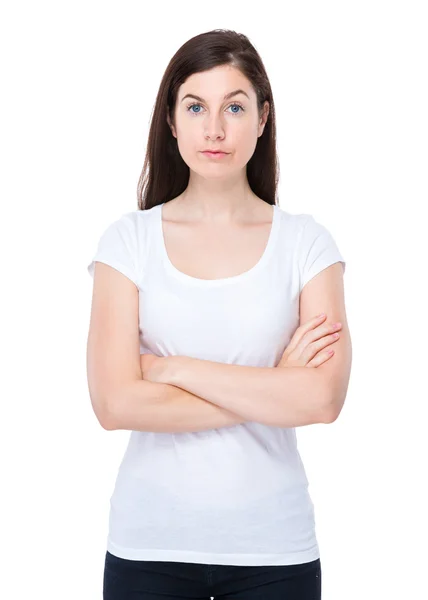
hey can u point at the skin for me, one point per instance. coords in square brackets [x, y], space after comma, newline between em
[218, 193]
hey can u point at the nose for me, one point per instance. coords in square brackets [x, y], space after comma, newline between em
[214, 128]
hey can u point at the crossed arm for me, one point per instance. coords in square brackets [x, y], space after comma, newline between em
[197, 394]
[187, 394]
[282, 397]
[276, 396]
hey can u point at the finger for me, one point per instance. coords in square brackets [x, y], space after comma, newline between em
[318, 334]
[326, 341]
[303, 329]
[320, 358]
[314, 348]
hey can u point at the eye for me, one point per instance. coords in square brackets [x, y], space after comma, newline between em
[198, 112]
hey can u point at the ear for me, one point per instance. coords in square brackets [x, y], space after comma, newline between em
[170, 124]
[263, 118]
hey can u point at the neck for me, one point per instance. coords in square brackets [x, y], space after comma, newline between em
[218, 200]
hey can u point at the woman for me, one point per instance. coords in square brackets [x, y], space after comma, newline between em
[197, 295]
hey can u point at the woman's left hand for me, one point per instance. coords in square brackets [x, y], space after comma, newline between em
[153, 368]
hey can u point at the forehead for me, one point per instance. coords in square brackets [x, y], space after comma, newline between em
[216, 83]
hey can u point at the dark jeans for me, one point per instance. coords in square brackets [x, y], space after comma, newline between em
[163, 580]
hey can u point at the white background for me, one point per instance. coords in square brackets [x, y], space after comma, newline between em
[79, 83]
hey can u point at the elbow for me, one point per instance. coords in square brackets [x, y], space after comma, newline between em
[104, 414]
[329, 416]
[107, 423]
[325, 410]
[105, 420]
[109, 419]
[331, 410]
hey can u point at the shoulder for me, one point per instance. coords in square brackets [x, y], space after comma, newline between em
[135, 217]
[133, 224]
[304, 226]
[293, 222]
[123, 244]
[316, 247]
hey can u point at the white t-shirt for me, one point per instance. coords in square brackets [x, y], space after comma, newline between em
[235, 495]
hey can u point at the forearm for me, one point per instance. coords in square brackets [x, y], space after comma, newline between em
[281, 397]
[160, 407]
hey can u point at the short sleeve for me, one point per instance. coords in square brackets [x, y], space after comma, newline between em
[317, 250]
[118, 247]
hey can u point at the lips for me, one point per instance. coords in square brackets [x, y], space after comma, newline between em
[214, 153]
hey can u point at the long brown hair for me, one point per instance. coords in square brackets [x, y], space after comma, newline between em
[165, 175]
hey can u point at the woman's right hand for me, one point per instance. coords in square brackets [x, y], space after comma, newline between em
[306, 347]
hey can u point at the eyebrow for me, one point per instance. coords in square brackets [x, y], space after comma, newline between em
[227, 96]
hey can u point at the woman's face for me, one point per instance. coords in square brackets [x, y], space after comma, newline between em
[210, 120]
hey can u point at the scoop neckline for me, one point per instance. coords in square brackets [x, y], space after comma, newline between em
[224, 280]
